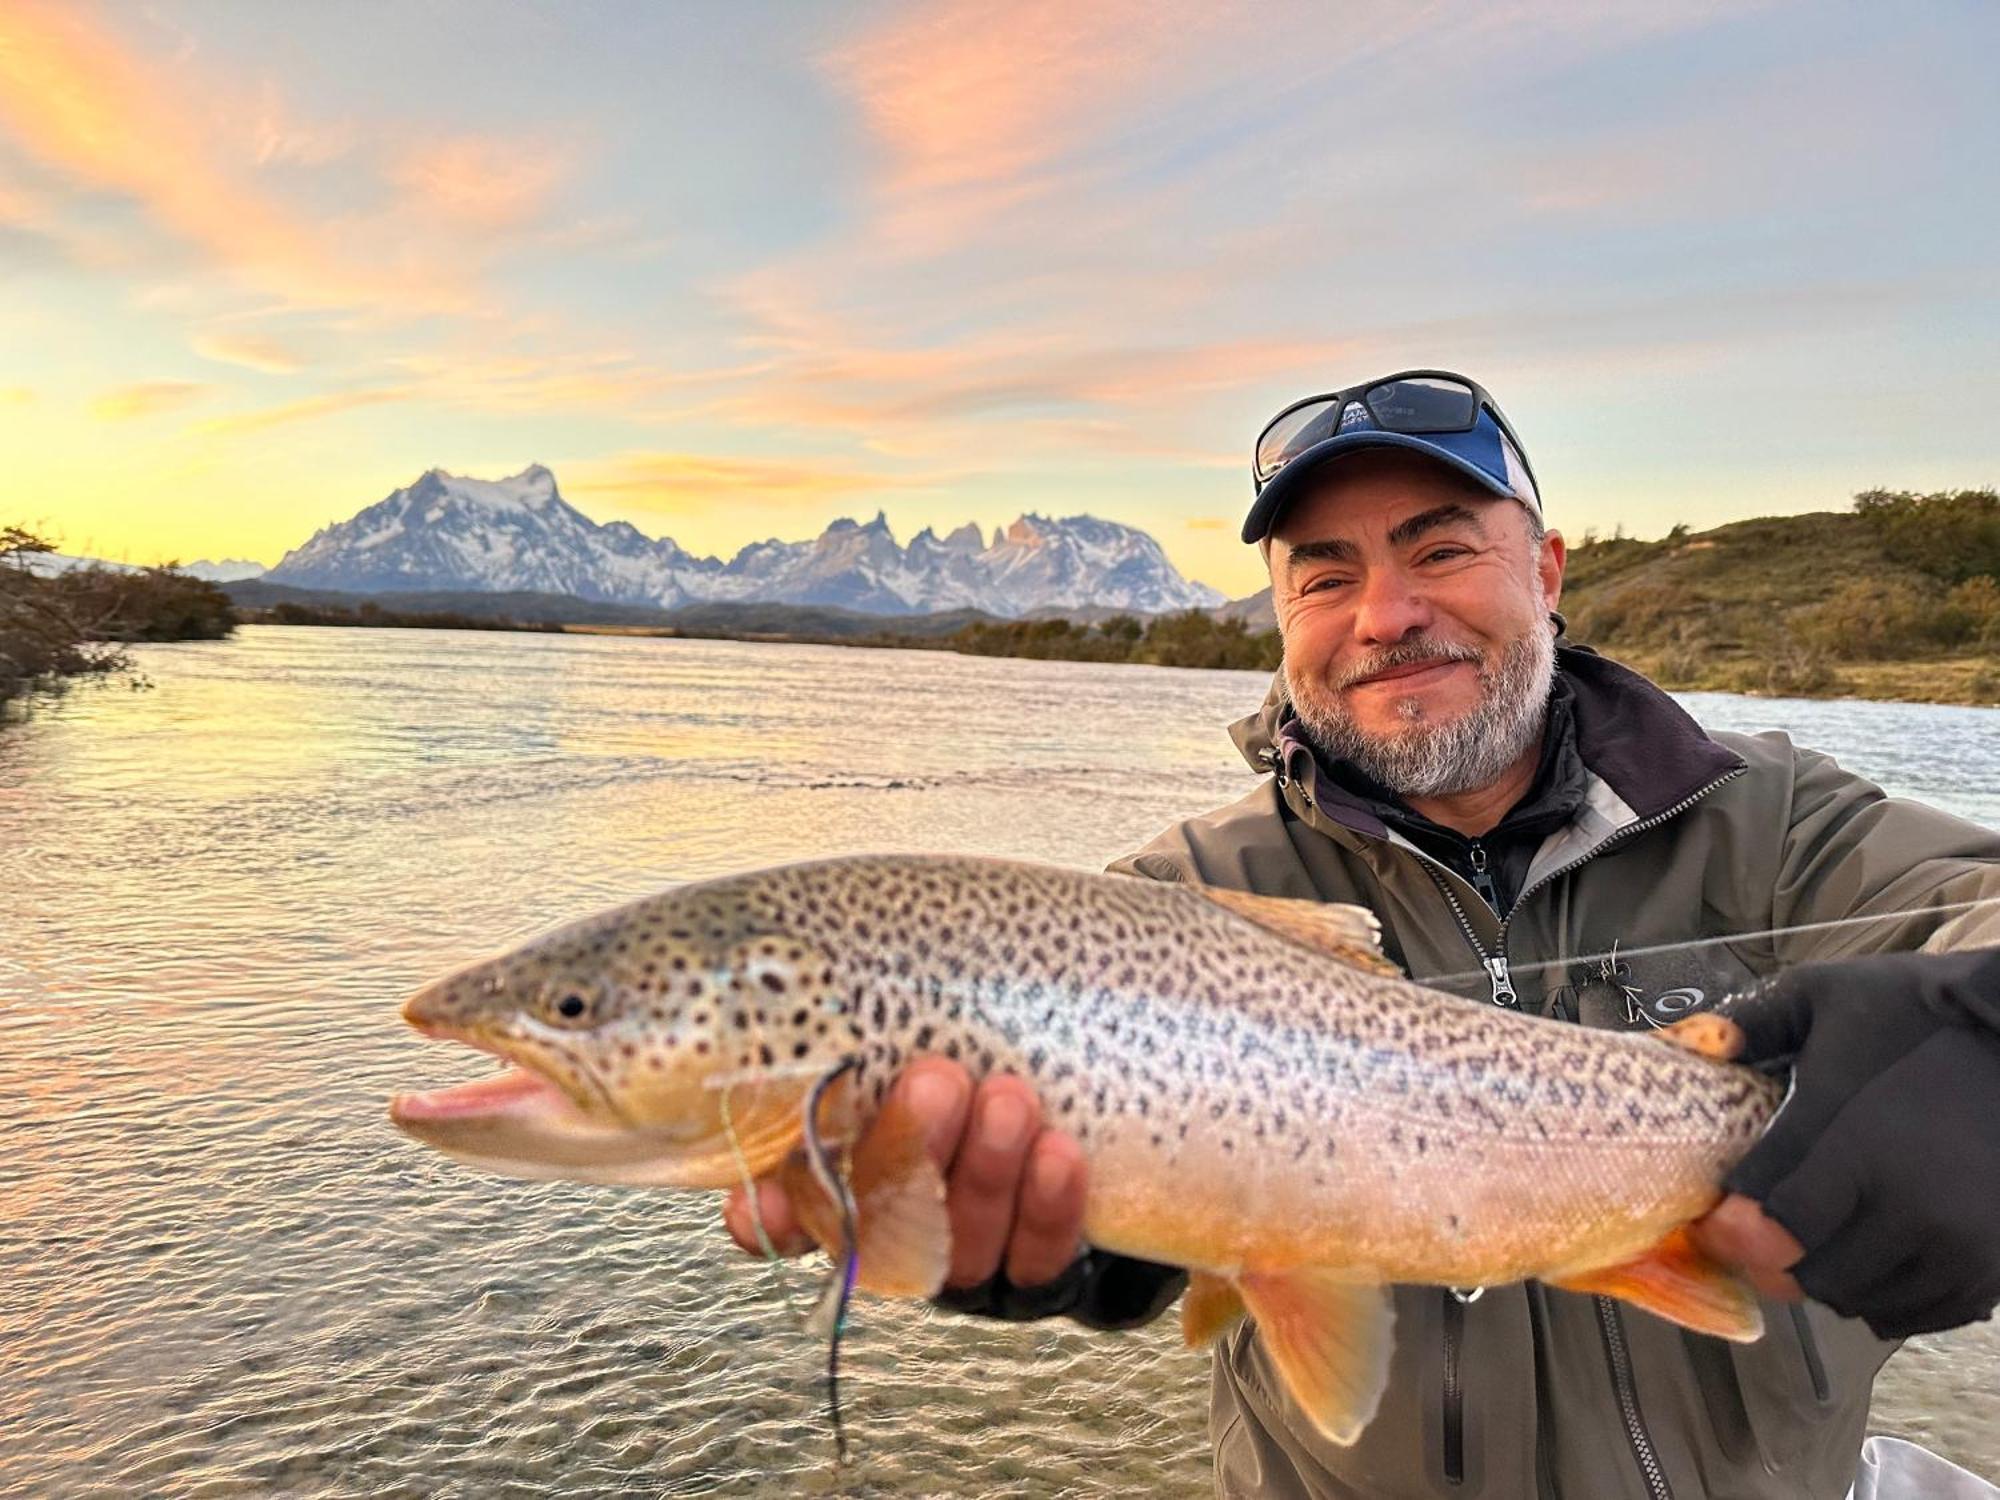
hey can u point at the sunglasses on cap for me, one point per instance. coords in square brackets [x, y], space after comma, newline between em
[1411, 401]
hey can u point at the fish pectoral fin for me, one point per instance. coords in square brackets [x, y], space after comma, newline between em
[1675, 1281]
[1210, 1307]
[1330, 1339]
[1348, 933]
[1707, 1035]
[903, 1234]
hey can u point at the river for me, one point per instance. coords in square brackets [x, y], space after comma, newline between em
[223, 1273]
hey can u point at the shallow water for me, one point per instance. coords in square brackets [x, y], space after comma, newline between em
[225, 1274]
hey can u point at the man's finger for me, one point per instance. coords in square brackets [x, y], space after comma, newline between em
[1743, 1237]
[986, 1175]
[938, 1093]
[1048, 1229]
[780, 1224]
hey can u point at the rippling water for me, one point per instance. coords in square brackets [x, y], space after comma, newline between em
[222, 1273]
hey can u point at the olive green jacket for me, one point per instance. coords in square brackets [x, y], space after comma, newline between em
[1526, 1390]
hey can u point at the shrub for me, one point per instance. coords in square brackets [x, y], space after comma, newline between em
[1952, 535]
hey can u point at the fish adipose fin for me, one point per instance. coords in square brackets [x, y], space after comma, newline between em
[1210, 1307]
[1348, 933]
[899, 1213]
[1675, 1281]
[1330, 1340]
[1708, 1035]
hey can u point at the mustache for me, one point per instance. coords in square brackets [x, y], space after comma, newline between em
[1404, 654]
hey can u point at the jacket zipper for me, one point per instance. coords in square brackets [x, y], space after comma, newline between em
[1622, 1386]
[1495, 963]
[1809, 1346]
[1454, 1392]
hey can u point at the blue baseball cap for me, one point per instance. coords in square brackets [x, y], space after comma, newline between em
[1441, 415]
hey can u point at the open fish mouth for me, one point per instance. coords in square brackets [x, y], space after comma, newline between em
[515, 1091]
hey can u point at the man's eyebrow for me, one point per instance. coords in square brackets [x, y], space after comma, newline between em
[1404, 532]
[1331, 550]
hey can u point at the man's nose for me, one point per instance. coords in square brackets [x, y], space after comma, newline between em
[1388, 608]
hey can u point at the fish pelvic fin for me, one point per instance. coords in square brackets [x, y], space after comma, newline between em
[1330, 1339]
[1675, 1281]
[1210, 1307]
[903, 1237]
[1348, 933]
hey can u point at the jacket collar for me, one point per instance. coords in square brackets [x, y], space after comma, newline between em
[1644, 746]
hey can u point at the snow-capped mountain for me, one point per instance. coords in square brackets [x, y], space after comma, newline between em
[450, 533]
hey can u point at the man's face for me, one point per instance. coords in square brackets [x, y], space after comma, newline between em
[1414, 608]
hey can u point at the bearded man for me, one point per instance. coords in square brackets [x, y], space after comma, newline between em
[1502, 800]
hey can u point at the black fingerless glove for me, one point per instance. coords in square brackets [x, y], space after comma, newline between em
[1884, 1162]
[1098, 1290]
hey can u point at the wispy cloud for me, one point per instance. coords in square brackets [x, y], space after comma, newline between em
[147, 398]
[250, 350]
[477, 181]
[310, 409]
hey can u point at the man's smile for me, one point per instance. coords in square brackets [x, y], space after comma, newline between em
[1413, 675]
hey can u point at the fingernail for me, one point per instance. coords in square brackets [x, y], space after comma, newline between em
[1004, 1122]
[931, 1095]
[1051, 1175]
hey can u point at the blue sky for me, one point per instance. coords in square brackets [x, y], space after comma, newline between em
[733, 271]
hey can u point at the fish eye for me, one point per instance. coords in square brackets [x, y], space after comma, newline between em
[571, 1006]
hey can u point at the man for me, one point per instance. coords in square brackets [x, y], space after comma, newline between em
[1503, 801]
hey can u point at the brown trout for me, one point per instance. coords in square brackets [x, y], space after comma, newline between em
[1260, 1097]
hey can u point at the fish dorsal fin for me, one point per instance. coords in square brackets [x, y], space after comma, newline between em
[1210, 1307]
[1330, 1339]
[899, 1212]
[1675, 1281]
[1348, 933]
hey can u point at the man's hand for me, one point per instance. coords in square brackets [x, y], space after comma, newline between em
[1876, 1178]
[1013, 1189]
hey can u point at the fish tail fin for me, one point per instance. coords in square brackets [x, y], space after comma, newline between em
[1676, 1281]
[1330, 1339]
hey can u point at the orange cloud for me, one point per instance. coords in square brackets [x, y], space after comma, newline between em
[250, 350]
[1208, 523]
[977, 104]
[482, 183]
[146, 398]
[300, 411]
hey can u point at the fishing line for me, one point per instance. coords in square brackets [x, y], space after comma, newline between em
[754, 1198]
[840, 1291]
[1618, 953]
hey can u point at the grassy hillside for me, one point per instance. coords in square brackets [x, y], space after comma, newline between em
[1815, 605]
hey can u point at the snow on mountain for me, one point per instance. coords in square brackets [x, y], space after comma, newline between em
[451, 533]
[228, 570]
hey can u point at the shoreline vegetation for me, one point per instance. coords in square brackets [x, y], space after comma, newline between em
[58, 628]
[1897, 599]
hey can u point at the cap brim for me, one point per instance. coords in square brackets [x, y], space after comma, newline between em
[1292, 480]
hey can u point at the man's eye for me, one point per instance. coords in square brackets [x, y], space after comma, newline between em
[1446, 554]
[1321, 585]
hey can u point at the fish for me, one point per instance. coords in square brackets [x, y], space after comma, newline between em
[1261, 1097]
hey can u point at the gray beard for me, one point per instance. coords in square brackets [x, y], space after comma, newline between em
[1432, 759]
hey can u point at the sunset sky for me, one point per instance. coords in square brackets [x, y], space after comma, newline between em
[732, 270]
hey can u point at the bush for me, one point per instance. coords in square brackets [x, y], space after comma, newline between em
[43, 642]
[1952, 535]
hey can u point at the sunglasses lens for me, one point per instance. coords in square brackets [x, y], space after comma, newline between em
[1423, 404]
[1293, 433]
